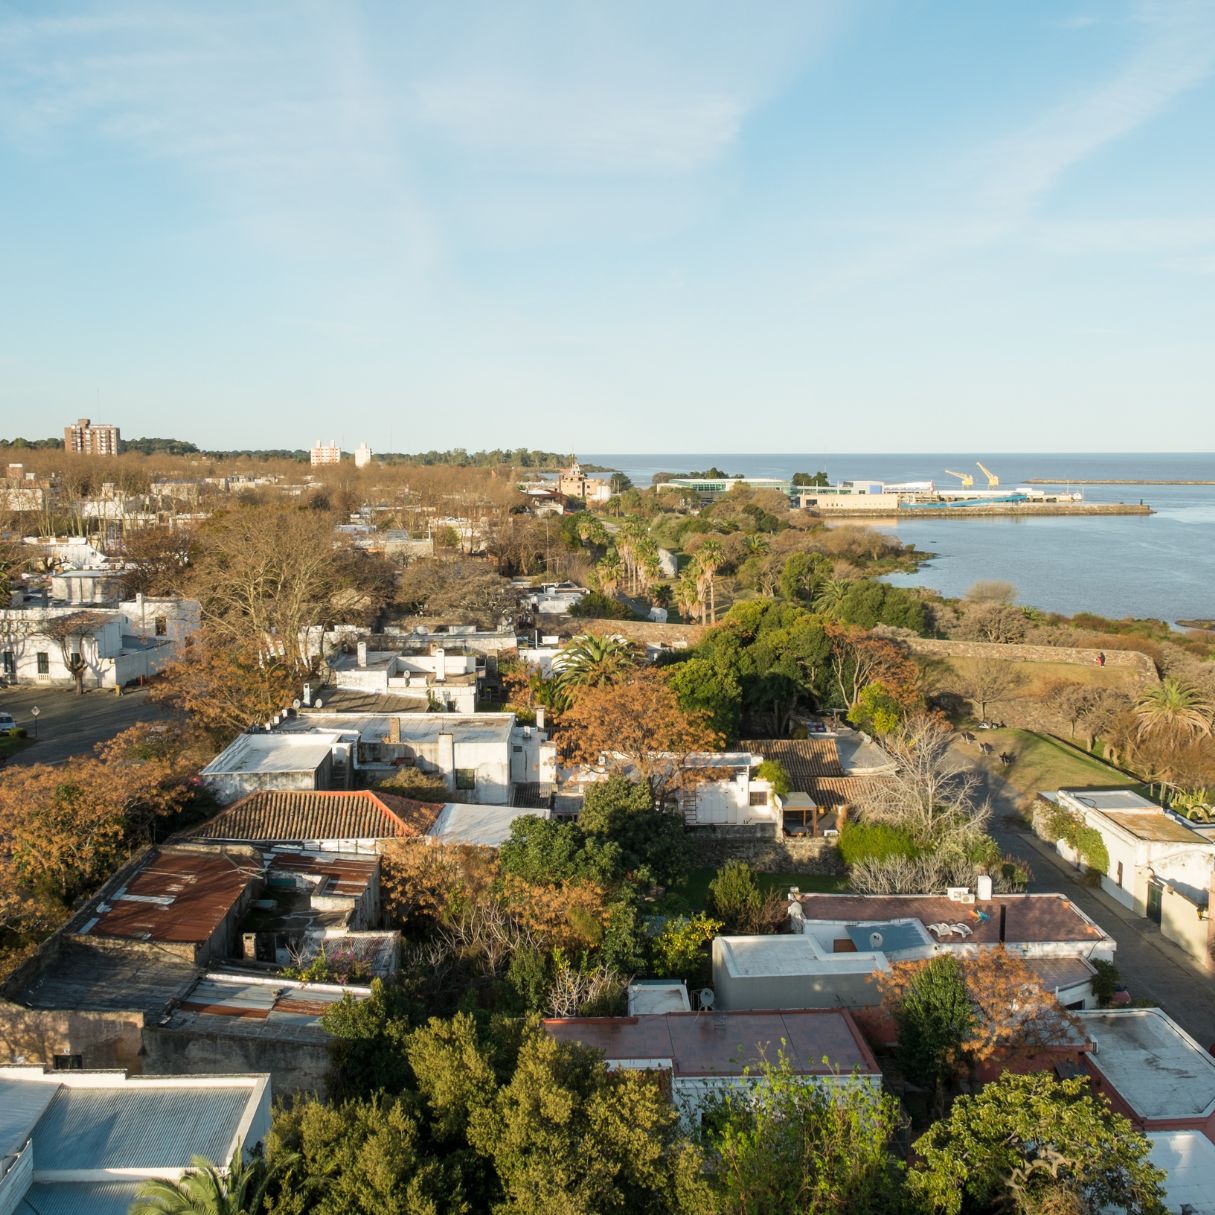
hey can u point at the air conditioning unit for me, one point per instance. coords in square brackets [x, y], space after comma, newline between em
[956, 894]
[965, 898]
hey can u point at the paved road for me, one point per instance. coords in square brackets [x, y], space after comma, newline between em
[1153, 968]
[72, 725]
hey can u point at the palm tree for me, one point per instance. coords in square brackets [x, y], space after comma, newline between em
[830, 593]
[591, 661]
[709, 558]
[610, 570]
[1173, 707]
[687, 596]
[205, 1190]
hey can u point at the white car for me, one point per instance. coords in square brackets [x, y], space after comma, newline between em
[8, 724]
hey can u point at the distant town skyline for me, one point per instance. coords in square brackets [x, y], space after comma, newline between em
[611, 228]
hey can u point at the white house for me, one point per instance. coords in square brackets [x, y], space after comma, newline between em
[435, 675]
[1159, 866]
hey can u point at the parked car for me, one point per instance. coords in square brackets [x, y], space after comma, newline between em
[8, 724]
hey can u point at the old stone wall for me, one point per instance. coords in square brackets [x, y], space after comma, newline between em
[295, 1066]
[929, 647]
[101, 1039]
[713, 846]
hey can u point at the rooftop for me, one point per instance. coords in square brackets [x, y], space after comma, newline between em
[269, 815]
[256, 1006]
[803, 758]
[1029, 918]
[789, 956]
[1055, 974]
[1156, 1067]
[1110, 799]
[487, 826]
[1188, 1160]
[174, 896]
[649, 997]
[277, 752]
[85, 976]
[726, 1043]
[417, 729]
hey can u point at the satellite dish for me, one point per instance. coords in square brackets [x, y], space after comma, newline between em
[320, 704]
[875, 940]
[295, 704]
[705, 998]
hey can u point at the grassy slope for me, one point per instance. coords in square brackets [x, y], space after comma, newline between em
[1045, 763]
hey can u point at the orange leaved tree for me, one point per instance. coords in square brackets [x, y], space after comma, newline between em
[637, 727]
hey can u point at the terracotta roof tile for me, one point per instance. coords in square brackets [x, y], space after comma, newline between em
[803, 758]
[309, 815]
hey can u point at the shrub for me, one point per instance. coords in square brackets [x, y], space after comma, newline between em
[874, 841]
[602, 607]
[773, 771]
[419, 786]
[734, 896]
[1105, 981]
[1085, 841]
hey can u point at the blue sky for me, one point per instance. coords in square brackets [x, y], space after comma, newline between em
[616, 227]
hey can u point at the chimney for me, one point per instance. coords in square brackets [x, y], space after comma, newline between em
[440, 664]
[1003, 913]
[394, 730]
[539, 717]
[447, 759]
[362, 653]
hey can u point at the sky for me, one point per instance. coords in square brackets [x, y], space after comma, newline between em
[863, 225]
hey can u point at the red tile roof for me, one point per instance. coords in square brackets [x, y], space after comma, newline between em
[309, 815]
[803, 758]
[725, 1043]
[1027, 917]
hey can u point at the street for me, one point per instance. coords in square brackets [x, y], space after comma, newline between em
[71, 725]
[1152, 968]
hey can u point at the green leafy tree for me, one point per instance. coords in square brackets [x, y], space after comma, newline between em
[549, 850]
[681, 948]
[710, 684]
[786, 1145]
[652, 843]
[567, 1137]
[934, 1018]
[734, 896]
[876, 711]
[366, 1050]
[802, 576]
[775, 773]
[1031, 1143]
[360, 1156]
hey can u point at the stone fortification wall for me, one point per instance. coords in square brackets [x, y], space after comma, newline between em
[932, 648]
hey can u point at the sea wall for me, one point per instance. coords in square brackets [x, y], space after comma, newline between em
[1001, 508]
[928, 647]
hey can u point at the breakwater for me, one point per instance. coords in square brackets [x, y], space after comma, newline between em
[1020, 509]
[1107, 481]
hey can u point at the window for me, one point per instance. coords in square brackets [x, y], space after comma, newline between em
[68, 1063]
[44, 663]
[517, 748]
[10, 663]
[466, 778]
[758, 799]
[162, 626]
[1119, 878]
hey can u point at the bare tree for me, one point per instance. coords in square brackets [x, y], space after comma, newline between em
[932, 795]
[992, 591]
[992, 621]
[985, 681]
[70, 632]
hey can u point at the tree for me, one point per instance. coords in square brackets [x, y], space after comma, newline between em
[226, 684]
[652, 843]
[734, 897]
[1030, 1144]
[990, 620]
[875, 710]
[710, 684]
[1011, 1012]
[802, 575]
[359, 1156]
[709, 557]
[785, 1144]
[681, 948]
[859, 659]
[71, 632]
[984, 681]
[934, 1017]
[158, 559]
[636, 727]
[549, 850]
[567, 1137]
[592, 661]
[205, 1189]
[867, 604]
[930, 794]
[1173, 708]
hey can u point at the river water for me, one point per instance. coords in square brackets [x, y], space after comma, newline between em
[1160, 565]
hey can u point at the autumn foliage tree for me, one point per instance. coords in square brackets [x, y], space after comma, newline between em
[636, 727]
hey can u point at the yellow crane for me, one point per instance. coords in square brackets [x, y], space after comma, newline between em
[966, 479]
[992, 480]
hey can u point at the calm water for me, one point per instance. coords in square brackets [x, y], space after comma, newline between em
[1161, 565]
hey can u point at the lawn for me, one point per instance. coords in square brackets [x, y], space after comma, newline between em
[1038, 678]
[1046, 763]
[695, 890]
[10, 745]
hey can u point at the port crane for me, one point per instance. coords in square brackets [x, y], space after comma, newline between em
[966, 479]
[992, 480]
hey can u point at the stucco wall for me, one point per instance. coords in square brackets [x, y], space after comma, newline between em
[103, 1039]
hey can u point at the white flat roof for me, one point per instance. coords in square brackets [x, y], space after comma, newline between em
[789, 957]
[649, 997]
[1110, 799]
[273, 753]
[416, 728]
[1159, 1070]
[488, 826]
[1188, 1159]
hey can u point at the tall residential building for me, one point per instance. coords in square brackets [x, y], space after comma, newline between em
[326, 453]
[362, 456]
[89, 440]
